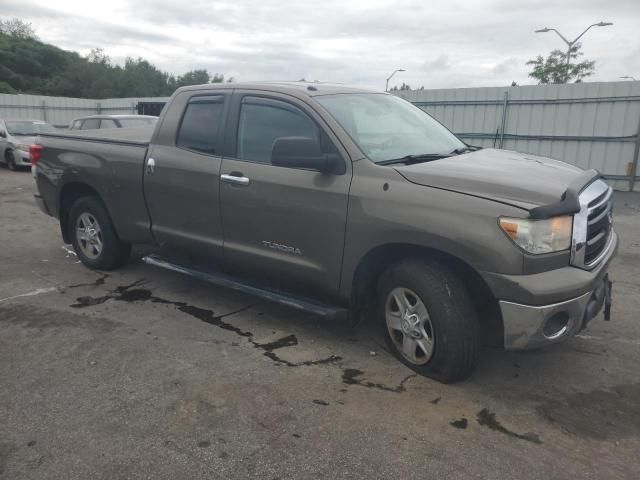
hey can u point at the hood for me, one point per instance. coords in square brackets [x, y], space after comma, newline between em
[519, 179]
[23, 139]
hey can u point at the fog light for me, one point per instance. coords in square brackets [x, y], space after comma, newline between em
[556, 325]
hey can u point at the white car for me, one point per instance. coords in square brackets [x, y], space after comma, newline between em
[15, 138]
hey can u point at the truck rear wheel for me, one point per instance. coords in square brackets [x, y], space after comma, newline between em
[93, 236]
[429, 320]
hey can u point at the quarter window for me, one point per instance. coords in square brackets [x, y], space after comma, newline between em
[201, 123]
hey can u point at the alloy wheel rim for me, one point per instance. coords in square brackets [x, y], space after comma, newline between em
[89, 235]
[409, 325]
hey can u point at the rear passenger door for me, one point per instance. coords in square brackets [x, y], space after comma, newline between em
[282, 224]
[181, 179]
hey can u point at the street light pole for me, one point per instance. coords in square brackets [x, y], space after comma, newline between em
[572, 43]
[386, 89]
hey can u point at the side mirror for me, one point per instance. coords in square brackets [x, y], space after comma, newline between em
[302, 152]
[3, 134]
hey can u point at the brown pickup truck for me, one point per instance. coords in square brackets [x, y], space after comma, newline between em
[346, 203]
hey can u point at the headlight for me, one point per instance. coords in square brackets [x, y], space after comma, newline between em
[539, 236]
[23, 147]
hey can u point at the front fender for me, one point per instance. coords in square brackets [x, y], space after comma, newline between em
[459, 225]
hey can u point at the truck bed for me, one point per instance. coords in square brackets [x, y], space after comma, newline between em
[127, 136]
[107, 161]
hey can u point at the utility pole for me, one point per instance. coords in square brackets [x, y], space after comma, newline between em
[571, 44]
[386, 89]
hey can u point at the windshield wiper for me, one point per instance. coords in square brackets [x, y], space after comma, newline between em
[409, 159]
[465, 149]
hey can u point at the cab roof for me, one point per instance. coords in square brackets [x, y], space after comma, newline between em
[311, 89]
[116, 117]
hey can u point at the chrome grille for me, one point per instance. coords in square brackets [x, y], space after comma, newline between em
[592, 226]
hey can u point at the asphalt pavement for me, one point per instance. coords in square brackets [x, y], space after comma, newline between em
[143, 373]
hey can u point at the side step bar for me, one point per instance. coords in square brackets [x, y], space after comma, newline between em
[222, 280]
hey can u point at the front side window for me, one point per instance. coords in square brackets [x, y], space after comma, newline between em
[262, 122]
[386, 127]
[201, 123]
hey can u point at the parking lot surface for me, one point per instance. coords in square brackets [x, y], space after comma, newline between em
[143, 373]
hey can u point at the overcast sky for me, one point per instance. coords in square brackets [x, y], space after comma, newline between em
[441, 43]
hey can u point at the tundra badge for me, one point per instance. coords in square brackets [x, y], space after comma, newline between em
[282, 248]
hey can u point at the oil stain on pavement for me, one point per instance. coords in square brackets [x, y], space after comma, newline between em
[460, 423]
[133, 293]
[488, 419]
[350, 377]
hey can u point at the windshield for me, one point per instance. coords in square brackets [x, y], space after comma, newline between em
[386, 127]
[29, 127]
[137, 122]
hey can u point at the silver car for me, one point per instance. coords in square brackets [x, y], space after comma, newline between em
[15, 138]
[95, 122]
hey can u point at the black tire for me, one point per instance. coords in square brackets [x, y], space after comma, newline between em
[113, 253]
[452, 320]
[11, 161]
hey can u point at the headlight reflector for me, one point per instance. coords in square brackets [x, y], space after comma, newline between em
[539, 236]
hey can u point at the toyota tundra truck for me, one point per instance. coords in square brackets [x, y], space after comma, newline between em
[346, 203]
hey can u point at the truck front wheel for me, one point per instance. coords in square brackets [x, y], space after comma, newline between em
[11, 160]
[93, 236]
[429, 320]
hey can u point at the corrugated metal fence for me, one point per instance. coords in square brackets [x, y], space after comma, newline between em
[59, 111]
[591, 125]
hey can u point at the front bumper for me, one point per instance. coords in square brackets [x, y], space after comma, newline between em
[22, 158]
[551, 306]
[527, 326]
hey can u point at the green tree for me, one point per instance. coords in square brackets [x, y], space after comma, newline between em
[403, 87]
[217, 78]
[6, 88]
[556, 69]
[193, 77]
[28, 65]
[17, 28]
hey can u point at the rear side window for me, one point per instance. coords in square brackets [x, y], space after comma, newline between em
[262, 122]
[137, 122]
[106, 123]
[91, 123]
[200, 125]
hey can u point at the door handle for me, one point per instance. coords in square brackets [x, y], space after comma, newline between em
[151, 166]
[236, 179]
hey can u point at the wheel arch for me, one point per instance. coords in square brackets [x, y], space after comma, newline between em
[378, 259]
[69, 193]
